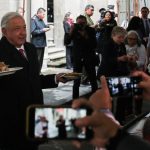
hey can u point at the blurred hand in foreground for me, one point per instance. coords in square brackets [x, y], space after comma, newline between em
[144, 84]
[103, 126]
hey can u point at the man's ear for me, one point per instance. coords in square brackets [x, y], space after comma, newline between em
[4, 31]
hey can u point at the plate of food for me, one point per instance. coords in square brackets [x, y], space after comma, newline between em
[72, 75]
[5, 70]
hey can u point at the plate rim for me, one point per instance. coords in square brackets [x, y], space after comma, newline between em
[14, 69]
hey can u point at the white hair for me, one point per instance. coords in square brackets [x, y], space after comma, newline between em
[133, 32]
[7, 17]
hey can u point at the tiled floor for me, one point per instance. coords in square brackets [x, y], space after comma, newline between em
[58, 96]
[63, 93]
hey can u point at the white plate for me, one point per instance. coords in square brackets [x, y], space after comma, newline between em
[10, 71]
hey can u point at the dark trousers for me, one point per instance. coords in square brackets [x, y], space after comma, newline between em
[23, 147]
[40, 54]
[69, 57]
[138, 106]
[90, 69]
[123, 108]
[15, 149]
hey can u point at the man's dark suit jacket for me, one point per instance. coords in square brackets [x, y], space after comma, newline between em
[18, 91]
[143, 32]
[143, 28]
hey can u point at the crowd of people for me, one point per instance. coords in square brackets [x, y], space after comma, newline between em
[122, 52]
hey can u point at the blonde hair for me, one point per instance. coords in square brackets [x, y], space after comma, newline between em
[118, 30]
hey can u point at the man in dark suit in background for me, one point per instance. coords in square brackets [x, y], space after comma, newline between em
[21, 89]
[145, 25]
[38, 30]
[84, 43]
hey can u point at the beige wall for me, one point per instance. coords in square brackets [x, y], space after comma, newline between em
[60, 8]
[10, 5]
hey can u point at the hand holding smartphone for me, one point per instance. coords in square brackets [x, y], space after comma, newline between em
[121, 86]
[49, 123]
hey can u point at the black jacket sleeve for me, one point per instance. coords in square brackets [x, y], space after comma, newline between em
[125, 141]
[133, 143]
[48, 81]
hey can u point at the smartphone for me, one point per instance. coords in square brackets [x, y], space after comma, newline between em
[121, 86]
[49, 123]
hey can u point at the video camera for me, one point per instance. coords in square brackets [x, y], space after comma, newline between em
[79, 27]
[102, 12]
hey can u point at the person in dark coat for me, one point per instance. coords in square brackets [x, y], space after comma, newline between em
[38, 30]
[141, 25]
[60, 124]
[114, 58]
[114, 64]
[145, 25]
[84, 43]
[135, 24]
[104, 29]
[21, 89]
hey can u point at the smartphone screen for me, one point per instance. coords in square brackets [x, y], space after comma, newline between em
[56, 123]
[120, 86]
[135, 89]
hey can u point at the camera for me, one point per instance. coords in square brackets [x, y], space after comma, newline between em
[79, 27]
[123, 86]
[102, 12]
[49, 123]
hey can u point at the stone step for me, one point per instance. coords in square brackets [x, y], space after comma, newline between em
[54, 50]
[50, 39]
[55, 56]
[51, 45]
[57, 62]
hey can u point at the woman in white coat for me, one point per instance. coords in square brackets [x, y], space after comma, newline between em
[136, 51]
[137, 56]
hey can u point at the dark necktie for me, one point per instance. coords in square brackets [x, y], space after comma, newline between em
[146, 27]
[21, 51]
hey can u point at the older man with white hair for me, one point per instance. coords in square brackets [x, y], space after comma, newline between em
[21, 89]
